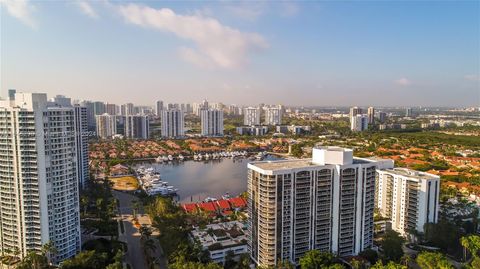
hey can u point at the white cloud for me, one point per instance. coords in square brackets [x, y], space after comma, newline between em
[216, 45]
[87, 9]
[20, 9]
[472, 77]
[402, 82]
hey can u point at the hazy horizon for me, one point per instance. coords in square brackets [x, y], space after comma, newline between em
[324, 53]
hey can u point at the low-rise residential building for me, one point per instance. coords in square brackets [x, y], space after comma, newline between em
[252, 130]
[221, 238]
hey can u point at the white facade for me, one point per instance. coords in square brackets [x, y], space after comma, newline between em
[409, 198]
[323, 203]
[173, 123]
[212, 122]
[81, 136]
[39, 177]
[137, 126]
[273, 116]
[359, 123]
[251, 116]
[106, 126]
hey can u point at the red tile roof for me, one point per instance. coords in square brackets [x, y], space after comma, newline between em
[208, 206]
[237, 202]
[189, 208]
[223, 204]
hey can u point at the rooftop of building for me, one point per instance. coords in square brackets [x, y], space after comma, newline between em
[223, 235]
[297, 163]
[411, 173]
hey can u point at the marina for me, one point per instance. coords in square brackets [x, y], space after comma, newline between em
[199, 180]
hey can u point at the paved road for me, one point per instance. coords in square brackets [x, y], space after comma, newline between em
[134, 255]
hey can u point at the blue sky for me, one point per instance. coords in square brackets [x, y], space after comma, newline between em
[402, 53]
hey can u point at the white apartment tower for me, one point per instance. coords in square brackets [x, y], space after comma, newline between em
[39, 177]
[173, 123]
[323, 203]
[251, 116]
[81, 135]
[106, 126]
[137, 126]
[408, 197]
[158, 108]
[359, 123]
[212, 122]
[273, 115]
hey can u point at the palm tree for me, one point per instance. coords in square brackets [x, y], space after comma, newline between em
[465, 244]
[136, 208]
[406, 259]
[49, 250]
[84, 201]
[145, 232]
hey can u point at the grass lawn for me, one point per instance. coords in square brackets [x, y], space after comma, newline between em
[126, 183]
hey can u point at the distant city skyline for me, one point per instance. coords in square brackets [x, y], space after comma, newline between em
[309, 53]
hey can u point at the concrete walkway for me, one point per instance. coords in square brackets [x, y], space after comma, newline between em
[135, 254]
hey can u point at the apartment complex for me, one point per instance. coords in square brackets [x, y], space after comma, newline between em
[371, 115]
[409, 198]
[251, 116]
[173, 124]
[212, 122]
[323, 203]
[106, 126]
[158, 108]
[359, 123]
[137, 126]
[273, 115]
[81, 137]
[39, 176]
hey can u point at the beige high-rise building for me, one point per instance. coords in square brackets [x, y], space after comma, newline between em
[323, 203]
[371, 115]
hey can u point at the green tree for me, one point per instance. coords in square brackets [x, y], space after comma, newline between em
[33, 260]
[86, 260]
[392, 246]
[433, 260]
[470, 243]
[390, 265]
[315, 259]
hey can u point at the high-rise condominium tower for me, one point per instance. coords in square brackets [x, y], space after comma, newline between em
[354, 111]
[273, 115]
[111, 109]
[39, 177]
[137, 126]
[371, 115]
[409, 198]
[106, 126]
[359, 123]
[251, 116]
[173, 123]
[323, 203]
[212, 122]
[158, 108]
[408, 112]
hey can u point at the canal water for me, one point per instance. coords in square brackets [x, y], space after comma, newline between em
[196, 181]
